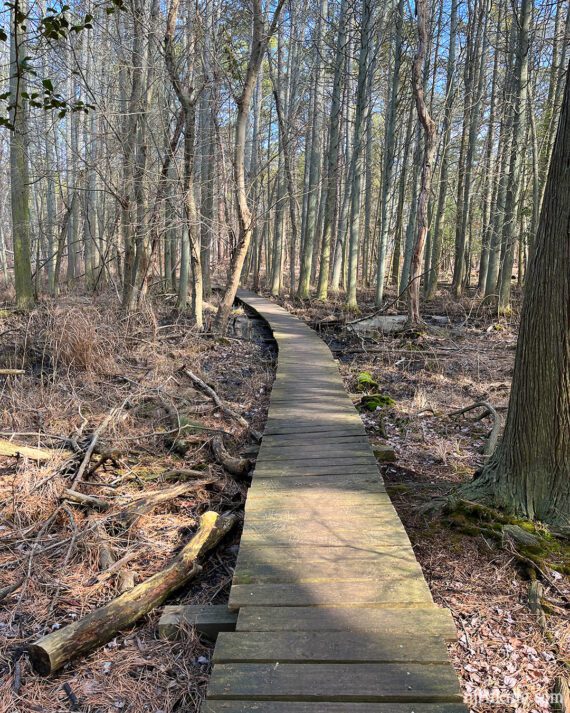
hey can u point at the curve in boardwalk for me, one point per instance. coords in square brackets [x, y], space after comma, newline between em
[334, 613]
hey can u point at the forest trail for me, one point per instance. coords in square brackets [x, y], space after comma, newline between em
[334, 612]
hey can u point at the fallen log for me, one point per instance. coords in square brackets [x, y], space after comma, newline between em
[16, 450]
[10, 589]
[11, 372]
[239, 467]
[87, 501]
[51, 652]
[131, 513]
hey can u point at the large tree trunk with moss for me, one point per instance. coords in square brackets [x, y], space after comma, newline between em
[529, 473]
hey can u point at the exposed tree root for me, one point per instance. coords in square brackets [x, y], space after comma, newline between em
[239, 467]
[537, 549]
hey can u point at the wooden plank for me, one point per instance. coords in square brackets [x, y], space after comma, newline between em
[209, 620]
[348, 462]
[280, 429]
[366, 682]
[353, 482]
[327, 647]
[354, 522]
[312, 501]
[333, 511]
[341, 468]
[249, 706]
[326, 564]
[285, 439]
[316, 452]
[428, 620]
[317, 441]
[320, 535]
[401, 592]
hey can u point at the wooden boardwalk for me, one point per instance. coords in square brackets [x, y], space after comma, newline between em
[334, 613]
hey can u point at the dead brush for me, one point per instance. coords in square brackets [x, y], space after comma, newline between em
[75, 339]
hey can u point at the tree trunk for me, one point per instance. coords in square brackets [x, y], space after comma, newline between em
[260, 39]
[19, 170]
[357, 155]
[530, 470]
[389, 142]
[512, 201]
[428, 126]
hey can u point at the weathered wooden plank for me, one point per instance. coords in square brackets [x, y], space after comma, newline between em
[285, 439]
[342, 468]
[316, 441]
[208, 620]
[316, 452]
[328, 647]
[325, 564]
[428, 620]
[321, 535]
[336, 682]
[333, 511]
[402, 592]
[352, 482]
[311, 502]
[249, 706]
[285, 428]
[353, 522]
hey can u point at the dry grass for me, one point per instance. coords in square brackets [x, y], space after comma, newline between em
[84, 359]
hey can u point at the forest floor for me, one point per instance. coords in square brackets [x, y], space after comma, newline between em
[82, 358]
[505, 661]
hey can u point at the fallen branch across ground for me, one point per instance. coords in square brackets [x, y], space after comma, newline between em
[51, 652]
[114, 413]
[219, 403]
[87, 501]
[489, 411]
[10, 589]
[131, 513]
[16, 450]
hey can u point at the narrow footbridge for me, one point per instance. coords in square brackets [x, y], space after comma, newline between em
[335, 615]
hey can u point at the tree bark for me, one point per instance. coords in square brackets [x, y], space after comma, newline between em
[530, 470]
[259, 41]
[19, 170]
[428, 126]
